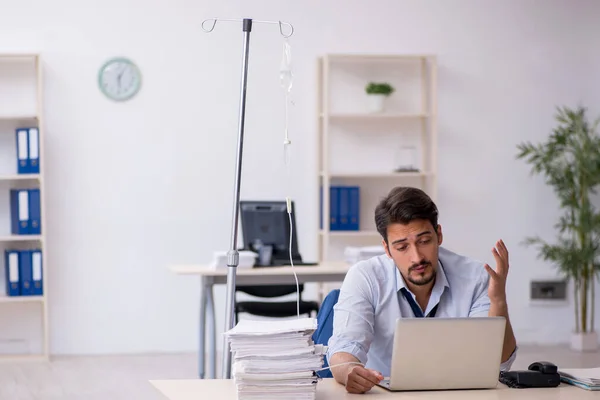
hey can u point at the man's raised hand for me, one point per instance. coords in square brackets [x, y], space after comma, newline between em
[497, 284]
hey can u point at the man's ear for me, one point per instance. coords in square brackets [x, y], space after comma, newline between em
[440, 235]
[387, 249]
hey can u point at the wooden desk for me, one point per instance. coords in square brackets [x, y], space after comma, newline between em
[209, 276]
[224, 389]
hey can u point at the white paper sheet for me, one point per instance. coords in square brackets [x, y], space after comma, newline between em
[275, 358]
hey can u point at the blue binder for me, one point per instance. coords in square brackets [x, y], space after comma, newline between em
[22, 150]
[334, 209]
[37, 272]
[349, 208]
[334, 217]
[33, 150]
[354, 206]
[35, 218]
[11, 269]
[19, 211]
[26, 273]
[344, 207]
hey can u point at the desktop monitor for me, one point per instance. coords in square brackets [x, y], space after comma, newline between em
[267, 223]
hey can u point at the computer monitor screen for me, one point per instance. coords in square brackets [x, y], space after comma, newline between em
[267, 222]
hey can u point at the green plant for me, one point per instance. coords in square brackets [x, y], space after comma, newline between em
[379, 88]
[570, 162]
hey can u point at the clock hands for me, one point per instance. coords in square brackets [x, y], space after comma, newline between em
[120, 76]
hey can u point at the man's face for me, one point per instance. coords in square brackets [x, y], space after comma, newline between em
[414, 249]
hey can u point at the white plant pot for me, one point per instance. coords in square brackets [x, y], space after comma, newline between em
[584, 342]
[376, 102]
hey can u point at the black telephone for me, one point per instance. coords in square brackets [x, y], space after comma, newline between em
[539, 374]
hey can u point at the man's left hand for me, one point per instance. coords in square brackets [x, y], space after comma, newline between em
[497, 284]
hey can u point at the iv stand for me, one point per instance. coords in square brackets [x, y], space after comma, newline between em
[233, 254]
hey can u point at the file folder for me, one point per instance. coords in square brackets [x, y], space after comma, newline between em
[334, 224]
[26, 273]
[334, 211]
[11, 267]
[34, 151]
[35, 218]
[344, 208]
[37, 274]
[22, 151]
[19, 211]
[354, 206]
[348, 208]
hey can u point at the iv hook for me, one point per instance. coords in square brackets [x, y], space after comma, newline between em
[214, 20]
[281, 24]
[281, 29]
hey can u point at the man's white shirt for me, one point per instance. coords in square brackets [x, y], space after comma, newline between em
[370, 302]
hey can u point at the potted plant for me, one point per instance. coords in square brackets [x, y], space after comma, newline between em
[377, 93]
[570, 162]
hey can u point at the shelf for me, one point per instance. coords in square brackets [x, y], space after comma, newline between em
[21, 299]
[22, 84]
[11, 358]
[20, 238]
[374, 116]
[19, 177]
[349, 233]
[18, 117]
[370, 58]
[362, 149]
[383, 175]
[18, 56]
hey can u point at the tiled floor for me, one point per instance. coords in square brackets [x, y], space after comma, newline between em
[126, 377]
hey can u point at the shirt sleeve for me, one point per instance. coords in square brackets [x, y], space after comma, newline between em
[480, 305]
[354, 316]
[481, 308]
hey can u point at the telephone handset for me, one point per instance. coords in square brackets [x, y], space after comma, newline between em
[544, 367]
[539, 374]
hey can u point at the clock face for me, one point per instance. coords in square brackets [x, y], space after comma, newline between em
[119, 79]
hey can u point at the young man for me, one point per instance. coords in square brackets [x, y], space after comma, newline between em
[415, 278]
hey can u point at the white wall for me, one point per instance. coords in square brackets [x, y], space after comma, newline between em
[135, 187]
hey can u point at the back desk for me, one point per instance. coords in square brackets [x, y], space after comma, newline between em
[210, 276]
[224, 389]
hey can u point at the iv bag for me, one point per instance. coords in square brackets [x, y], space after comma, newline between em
[285, 69]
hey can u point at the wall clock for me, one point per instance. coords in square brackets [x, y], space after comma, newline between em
[119, 79]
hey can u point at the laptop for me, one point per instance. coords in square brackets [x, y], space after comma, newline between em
[446, 354]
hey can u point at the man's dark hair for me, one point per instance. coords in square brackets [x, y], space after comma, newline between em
[402, 205]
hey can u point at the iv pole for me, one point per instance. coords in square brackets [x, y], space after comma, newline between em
[233, 254]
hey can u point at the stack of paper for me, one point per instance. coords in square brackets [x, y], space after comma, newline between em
[353, 255]
[585, 378]
[275, 359]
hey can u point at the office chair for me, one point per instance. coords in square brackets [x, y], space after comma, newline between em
[278, 309]
[325, 327]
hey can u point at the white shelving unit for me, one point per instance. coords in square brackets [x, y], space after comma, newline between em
[360, 148]
[23, 319]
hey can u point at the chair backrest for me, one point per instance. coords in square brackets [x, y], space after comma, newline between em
[325, 326]
[268, 291]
